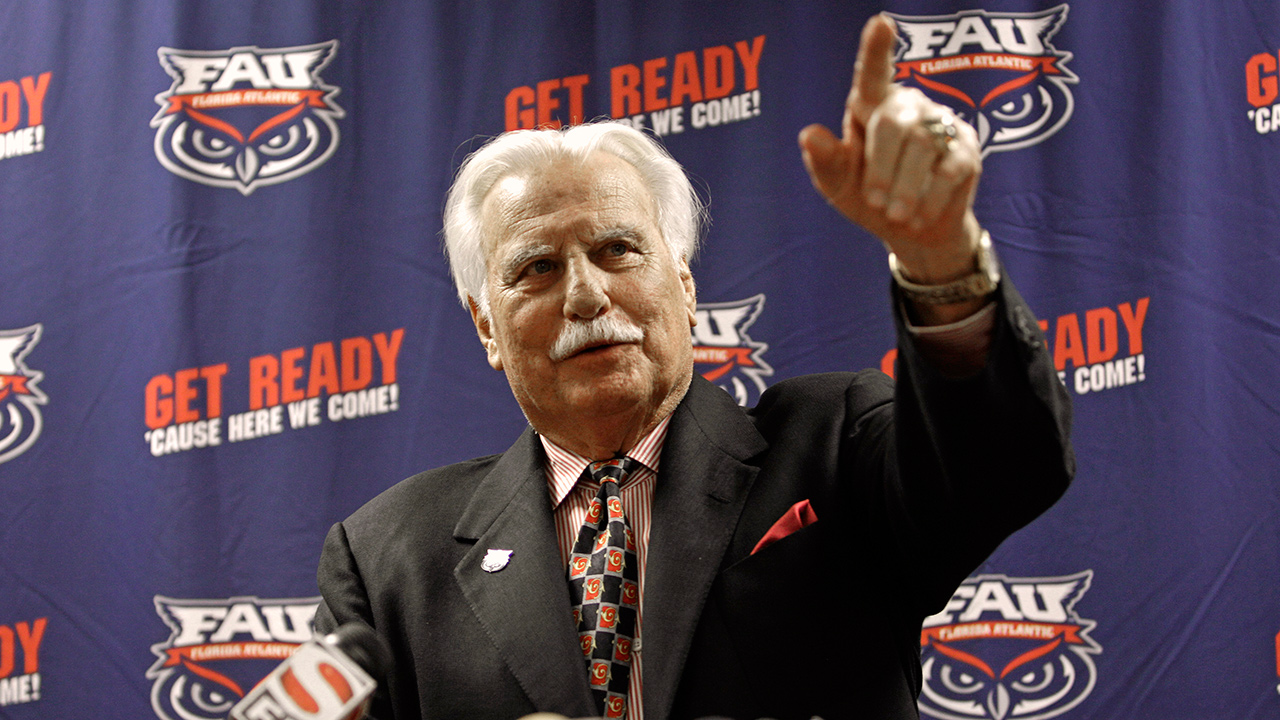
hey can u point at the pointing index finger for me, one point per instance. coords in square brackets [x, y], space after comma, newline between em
[873, 70]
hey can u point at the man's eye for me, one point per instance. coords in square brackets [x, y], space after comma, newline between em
[540, 267]
[617, 249]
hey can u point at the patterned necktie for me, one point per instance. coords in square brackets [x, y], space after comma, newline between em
[604, 586]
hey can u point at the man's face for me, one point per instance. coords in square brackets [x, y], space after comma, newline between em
[572, 243]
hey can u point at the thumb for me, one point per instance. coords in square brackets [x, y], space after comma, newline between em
[834, 166]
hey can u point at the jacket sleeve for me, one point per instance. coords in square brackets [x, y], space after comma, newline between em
[974, 459]
[342, 591]
[345, 600]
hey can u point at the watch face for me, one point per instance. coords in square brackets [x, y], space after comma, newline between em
[982, 282]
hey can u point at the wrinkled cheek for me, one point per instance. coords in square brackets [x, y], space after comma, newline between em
[531, 395]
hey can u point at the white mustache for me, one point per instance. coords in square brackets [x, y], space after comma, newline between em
[602, 329]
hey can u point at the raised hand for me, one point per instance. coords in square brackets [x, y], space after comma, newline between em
[905, 168]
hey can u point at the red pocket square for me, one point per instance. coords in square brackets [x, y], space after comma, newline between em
[801, 515]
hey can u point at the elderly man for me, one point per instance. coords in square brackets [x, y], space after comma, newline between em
[648, 548]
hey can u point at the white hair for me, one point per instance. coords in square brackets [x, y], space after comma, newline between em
[680, 212]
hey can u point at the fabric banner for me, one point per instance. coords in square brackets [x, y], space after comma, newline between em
[227, 321]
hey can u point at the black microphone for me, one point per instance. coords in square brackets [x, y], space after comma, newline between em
[326, 679]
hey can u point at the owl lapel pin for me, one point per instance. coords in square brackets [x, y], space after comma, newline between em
[495, 560]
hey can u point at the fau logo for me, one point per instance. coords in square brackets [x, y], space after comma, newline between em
[20, 399]
[998, 71]
[219, 649]
[723, 352]
[246, 117]
[1008, 649]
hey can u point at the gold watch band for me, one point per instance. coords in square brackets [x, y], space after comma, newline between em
[978, 284]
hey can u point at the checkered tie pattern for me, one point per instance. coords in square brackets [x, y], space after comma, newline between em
[604, 586]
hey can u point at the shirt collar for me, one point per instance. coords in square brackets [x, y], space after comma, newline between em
[564, 467]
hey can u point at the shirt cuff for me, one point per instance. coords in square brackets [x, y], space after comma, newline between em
[957, 349]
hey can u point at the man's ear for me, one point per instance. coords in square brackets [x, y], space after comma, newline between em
[690, 292]
[486, 333]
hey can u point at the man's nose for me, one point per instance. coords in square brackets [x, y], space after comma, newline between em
[586, 294]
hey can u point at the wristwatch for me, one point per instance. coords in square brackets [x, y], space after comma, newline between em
[978, 284]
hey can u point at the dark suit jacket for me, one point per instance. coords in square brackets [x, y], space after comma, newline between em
[911, 495]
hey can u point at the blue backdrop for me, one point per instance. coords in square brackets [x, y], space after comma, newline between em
[226, 321]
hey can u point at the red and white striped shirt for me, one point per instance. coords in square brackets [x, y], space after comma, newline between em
[570, 499]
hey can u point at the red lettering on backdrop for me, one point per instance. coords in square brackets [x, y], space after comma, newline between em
[574, 85]
[212, 375]
[159, 411]
[1100, 329]
[652, 83]
[34, 92]
[528, 108]
[324, 370]
[686, 85]
[7, 650]
[624, 88]
[30, 636]
[520, 113]
[1099, 341]
[272, 379]
[1261, 89]
[169, 398]
[238, 98]
[546, 103]
[230, 651]
[9, 97]
[1002, 61]
[33, 89]
[1133, 320]
[388, 351]
[290, 374]
[717, 71]
[264, 391]
[750, 56]
[357, 364]
[183, 394]
[1068, 344]
[976, 630]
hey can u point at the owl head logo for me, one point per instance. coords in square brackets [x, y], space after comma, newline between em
[246, 117]
[725, 354]
[1008, 649]
[20, 398]
[998, 71]
[195, 692]
[219, 649]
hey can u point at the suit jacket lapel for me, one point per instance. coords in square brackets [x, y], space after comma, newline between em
[703, 483]
[525, 606]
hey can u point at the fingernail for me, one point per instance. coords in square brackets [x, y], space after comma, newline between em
[897, 211]
[876, 198]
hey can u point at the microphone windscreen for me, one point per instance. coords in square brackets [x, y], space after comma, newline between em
[360, 643]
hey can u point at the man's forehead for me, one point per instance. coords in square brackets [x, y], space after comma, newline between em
[604, 187]
[566, 178]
